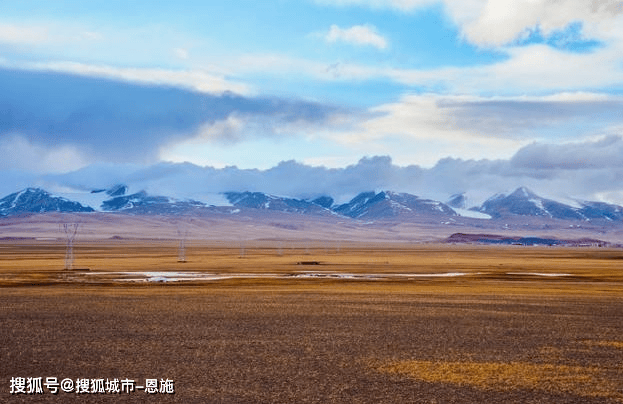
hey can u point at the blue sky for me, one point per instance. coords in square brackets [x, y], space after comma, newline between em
[322, 82]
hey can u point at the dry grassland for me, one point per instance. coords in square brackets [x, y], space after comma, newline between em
[500, 334]
[511, 376]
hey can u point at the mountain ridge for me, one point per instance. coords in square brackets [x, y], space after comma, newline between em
[37, 200]
[369, 205]
[523, 202]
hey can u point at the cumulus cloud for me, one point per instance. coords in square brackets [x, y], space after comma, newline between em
[502, 21]
[598, 154]
[499, 22]
[402, 5]
[425, 128]
[111, 121]
[357, 35]
[551, 170]
[418, 129]
[287, 178]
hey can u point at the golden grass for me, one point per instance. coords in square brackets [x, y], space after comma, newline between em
[583, 381]
[609, 344]
[565, 327]
[593, 272]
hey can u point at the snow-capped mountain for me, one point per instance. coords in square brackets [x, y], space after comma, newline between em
[107, 200]
[385, 205]
[369, 205]
[458, 201]
[523, 202]
[601, 210]
[142, 203]
[259, 200]
[37, 200]
[116, 190]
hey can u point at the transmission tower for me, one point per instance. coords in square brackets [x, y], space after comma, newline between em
[242, 248]
[70, 234]
[181, 251]
[280, 248]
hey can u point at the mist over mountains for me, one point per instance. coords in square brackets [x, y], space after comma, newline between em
[370, 206]
[555, 177]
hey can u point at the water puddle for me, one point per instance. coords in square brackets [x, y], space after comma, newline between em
[183, 276]
[180, 276]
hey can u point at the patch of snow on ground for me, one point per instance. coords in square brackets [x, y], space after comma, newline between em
[471, 213]
[536, 274]
[179, 276]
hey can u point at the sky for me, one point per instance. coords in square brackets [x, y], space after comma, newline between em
[305, 97]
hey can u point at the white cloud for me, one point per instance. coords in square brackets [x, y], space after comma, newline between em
[534, 68]
[498, 22]
[17, 153]
[603, 153]
[479, 178]
[181, 53]
[251, 140]
[402, 5]
[19, 34]
[528, 69]
[420, 128]
[425, 128]
[502, 21]
[68, 47]
[45, 34]
[417, 129]
[197, 80]
[231, 130]
[240, 127]
[357, 35]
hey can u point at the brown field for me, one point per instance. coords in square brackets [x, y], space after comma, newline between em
[500, 333]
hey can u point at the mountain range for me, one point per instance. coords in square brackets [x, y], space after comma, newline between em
[368, 206]
[523, 202]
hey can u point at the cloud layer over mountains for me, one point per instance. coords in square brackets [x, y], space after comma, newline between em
[589, 171]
